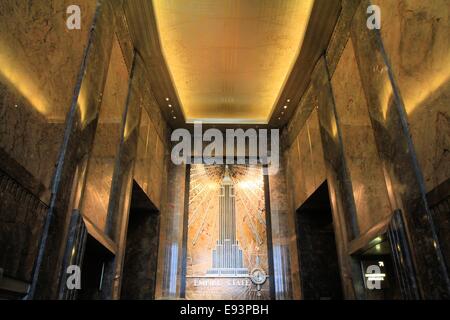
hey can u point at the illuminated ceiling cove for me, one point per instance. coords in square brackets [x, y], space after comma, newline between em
[229, 59]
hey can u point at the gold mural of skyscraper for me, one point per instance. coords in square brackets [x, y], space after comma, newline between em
[227, 258]
[226, 232]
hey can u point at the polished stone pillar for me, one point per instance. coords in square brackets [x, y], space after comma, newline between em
[270, 249]
[284, 246]
[402, 173]
[119, 204]
[171, 236]
[185, 233]
[341, 34]
[339, 182]
[74, 253]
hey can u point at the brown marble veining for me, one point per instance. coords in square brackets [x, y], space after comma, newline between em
[106, 142]
[284, 252]
[338, 179]
[404, 179]
[36, 84]
[415, 37]
[369, 188]
[80, 126]
[171, 235]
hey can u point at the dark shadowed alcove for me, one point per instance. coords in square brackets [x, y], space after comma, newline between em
[139, 271]
[96, 260]
[319, 269]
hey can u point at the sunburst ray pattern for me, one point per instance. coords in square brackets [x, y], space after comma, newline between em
[203, 223]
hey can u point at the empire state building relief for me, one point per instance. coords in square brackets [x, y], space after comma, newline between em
[227, 244]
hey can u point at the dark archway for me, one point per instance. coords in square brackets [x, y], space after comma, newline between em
[319, 267]
[141, 257]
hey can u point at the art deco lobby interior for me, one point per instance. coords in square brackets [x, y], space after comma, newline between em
[93, 206]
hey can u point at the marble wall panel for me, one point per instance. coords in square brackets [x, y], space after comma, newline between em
[299, 117]
[21, 221]
[369, 187]
[317, 159]
[152, 171]
[404, 179]
[306, 162]
[284, 254]
[106, 142]
[143, 162]
[363, 162]
[29, 140]
[415, 37]
[338, 178]
[80, 126]
[305, 171]
[39, 64]
[294, 266]
[296, 178]
[171, 236]
[43, 98]
[151, 174]
[120, 197]
[149, 170]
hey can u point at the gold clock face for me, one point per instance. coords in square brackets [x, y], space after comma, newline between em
[258, 276]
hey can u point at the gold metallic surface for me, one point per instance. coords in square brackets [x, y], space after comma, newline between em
[203, 231]
[229, 60]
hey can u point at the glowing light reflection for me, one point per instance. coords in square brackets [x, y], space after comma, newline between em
[21, 78]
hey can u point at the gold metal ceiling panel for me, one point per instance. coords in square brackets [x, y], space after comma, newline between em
[229, 59]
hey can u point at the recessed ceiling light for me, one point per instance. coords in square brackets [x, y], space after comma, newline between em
[167, 99]
[288, 100]
[285, 107]
[282, 113]
[170, 106]
[174, 118]
[279, 118]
